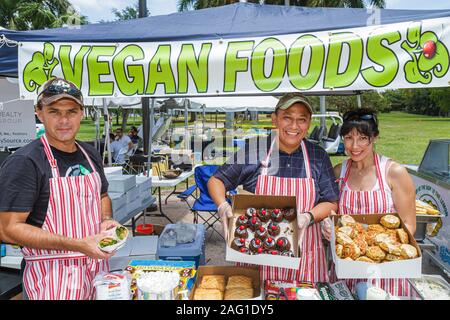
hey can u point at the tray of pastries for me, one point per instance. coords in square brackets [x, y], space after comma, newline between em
[264, 231]
[221, 287]
[380, 242]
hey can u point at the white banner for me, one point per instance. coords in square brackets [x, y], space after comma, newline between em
[403, 55]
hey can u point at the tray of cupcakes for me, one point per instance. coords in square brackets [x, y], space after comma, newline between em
[263, 231]
[374, 246]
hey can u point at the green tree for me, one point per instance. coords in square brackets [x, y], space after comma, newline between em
[441, 98]
[38, 14]
[130, 12]
[184, 5]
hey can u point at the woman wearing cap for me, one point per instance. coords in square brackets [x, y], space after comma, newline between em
[287, 165]
[371, 183]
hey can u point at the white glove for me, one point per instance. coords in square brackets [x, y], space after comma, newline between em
[225, 212]
[327, 227]
[303, 221]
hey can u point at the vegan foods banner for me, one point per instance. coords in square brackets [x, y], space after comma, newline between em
[402, 55]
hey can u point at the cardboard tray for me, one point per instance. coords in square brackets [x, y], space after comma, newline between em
[345, 269]
[241, 202]
[227, 271]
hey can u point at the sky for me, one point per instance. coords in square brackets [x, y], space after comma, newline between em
[97, 10]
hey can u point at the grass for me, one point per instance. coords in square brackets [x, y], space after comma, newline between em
[403, 137]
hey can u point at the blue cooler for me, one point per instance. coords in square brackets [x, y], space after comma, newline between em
[194, 251]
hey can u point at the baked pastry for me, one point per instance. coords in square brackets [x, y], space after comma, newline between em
[250, 213]
[369, 236]
[256, 246]
[346, 219]
[376, 227]
[283, 244]
[242, 220]
[349, 258]
[273, 229]
[273, 252]
[392, 257]
[351, 250]
[238, 243]
[361, 243]
[213, 282]
[245, 250]
[241, 232]
[356, 226]
[392, 234]
[339, 248]
[342, 238]
[392, 248]
[208, 294]
[365, 259]
[408, 251]
[239, 293]
[383, 237]
[276, 215]
[402, 236]
[287, 253]
[390, 221]
[375, 253]
[269, 243]
[254, 223]
[348, 231]
[239, 282]
[289, 214]
[261, 233]
[263, 215]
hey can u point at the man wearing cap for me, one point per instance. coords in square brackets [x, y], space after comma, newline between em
[54, 201]
[286, 164]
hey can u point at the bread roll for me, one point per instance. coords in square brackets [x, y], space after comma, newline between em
[239, 282]
[238, 293]
[213, 282]
[208, 294]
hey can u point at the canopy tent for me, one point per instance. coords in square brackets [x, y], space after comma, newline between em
[240, 20]
[239, 49]
[232, 104]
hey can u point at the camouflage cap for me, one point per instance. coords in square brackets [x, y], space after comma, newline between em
[56, 89]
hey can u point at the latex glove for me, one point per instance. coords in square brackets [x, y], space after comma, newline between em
[303, 221]
[327, 227]
[225, 212]
[108, 224]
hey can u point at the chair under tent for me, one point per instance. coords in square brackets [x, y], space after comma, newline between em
[203, 203]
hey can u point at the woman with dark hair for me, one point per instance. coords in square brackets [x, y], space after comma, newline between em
[371, 183]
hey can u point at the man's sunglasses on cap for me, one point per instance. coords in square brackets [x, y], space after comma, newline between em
[60, 86]
[358, 116]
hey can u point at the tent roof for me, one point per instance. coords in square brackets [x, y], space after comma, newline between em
[233, 104]
[233, 21]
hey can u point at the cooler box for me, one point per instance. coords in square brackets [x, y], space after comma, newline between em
[194, 251]
[136, 248]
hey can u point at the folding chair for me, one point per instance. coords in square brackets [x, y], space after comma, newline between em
[203, 203]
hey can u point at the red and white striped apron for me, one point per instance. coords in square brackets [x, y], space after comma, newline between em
[313, 264]
[74, 211]
[378, 200]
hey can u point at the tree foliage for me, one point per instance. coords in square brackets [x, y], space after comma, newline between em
[38, 14]
[184, 5]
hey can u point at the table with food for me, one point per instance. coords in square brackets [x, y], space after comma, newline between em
[375, 246]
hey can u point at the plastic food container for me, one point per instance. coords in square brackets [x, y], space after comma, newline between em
[115, 239]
